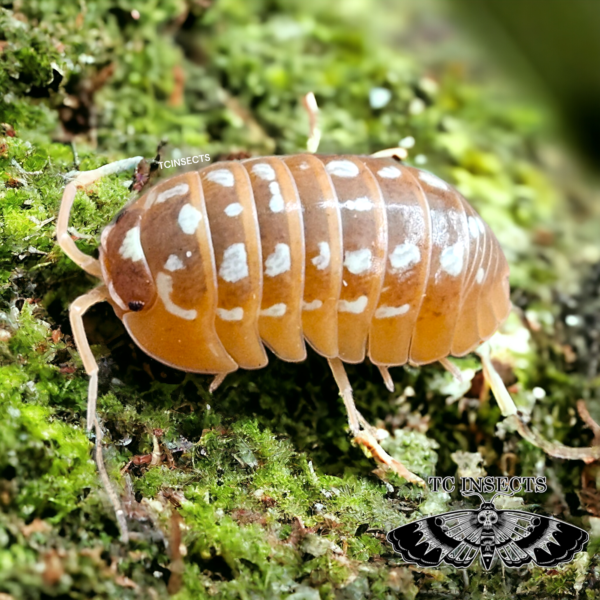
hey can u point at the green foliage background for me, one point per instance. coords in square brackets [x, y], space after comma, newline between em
[273, 498]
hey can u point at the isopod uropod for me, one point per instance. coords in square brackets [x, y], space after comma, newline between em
[353, 254]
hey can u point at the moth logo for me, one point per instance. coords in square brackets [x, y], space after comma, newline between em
[515, 537]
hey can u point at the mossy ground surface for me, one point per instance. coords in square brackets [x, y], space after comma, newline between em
[260, 492]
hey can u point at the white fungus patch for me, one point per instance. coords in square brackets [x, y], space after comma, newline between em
[234, 209]
[322, 261]
[189, 218]
[361, 204]
[473, 227]
[314, 305]
[390, 172]
[277, 310]
[264, 171]
[451, 259]
[404, 256]
[353, 306]
[131, 247]
[174, 263]
[279, 261]
[164, 287]
[379, 97]
[342, 168]
[480, 275]
[235, 263]
[386, 312]
[358, 261]
[276, 203]
[177, 190]
[222, 177]
[433, 180]
[234, 314]
[407, 142]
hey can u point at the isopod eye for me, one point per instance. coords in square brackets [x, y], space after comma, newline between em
[124, 264]
[135, 305]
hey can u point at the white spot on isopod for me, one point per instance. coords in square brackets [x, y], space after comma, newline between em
[389, 172]
[342, 168]
[233, 209]
[276, 203]
[177, 190]
[188, 253]
[277, 310]
[189, 218]
[361, 204]
[279, 261]
[480, 275]
[353, 306]
[132, 245]
[234, 314]
[223, 177]
[174, 263]
[235, 263]
[404, 257]
[314, 305]
[386, 312]
[480, 225]
[164, 287]
[473, 227]
[433, 180]
[358, 261]
[322, 261]
[304, 166]
[451, 259]
[264, 171]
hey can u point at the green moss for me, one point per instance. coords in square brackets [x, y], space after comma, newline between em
[274, 498]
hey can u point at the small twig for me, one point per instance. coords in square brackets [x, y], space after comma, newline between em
[21, 170]
[76, 162]
[587, 419]
[112, 495]
[556, 449]
[156, 452]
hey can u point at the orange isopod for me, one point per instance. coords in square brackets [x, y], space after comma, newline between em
[352, 254]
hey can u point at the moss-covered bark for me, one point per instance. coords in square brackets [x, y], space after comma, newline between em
[260, 492]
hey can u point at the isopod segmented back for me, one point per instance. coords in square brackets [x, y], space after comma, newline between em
[349, 253]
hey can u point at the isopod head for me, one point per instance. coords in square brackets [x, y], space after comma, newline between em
[124, 266]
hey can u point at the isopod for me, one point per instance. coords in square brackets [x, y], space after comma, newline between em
[356, 255]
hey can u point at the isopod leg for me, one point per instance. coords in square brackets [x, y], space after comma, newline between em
[314, 135]
[503, 398]
[339, 374]
[87, 263]
[77, 310]
[397, 153]
[217, 381]
[387, 378]
[365, 437]
[452, 369]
